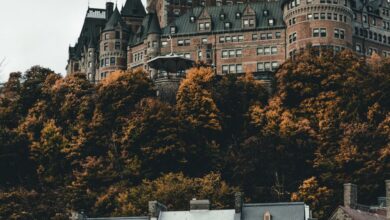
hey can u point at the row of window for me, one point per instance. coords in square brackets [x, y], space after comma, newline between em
[183, 42]
[231, 53]
[266, 36]
[296, 3]
[232, 68]
[227, 39]
[138, 56]
[117, 35]
[107, 62]
[267, 50]
[327, 16]
[117, 46]
[372, 35]
[335, 49]
[267, 66]
[370, 50]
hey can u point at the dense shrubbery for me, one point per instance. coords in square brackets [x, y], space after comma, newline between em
[66, 144]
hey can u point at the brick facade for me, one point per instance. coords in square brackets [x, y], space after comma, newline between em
[232, 37]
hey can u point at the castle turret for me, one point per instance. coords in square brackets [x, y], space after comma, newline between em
[91, 60]
[321, 23]
[113, 46]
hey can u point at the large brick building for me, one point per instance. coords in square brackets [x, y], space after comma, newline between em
[233, 36]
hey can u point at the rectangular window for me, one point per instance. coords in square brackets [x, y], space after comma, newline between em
[234, 38]
[267, 66]
[274, 50]
[117, 35]
[232, 68]
[322, 16]
[225, 69]
[228, 39]
[260, 66]
[316, 32]
[112, 61]
[309, 16]
[225, 54]
[267, 50]
[164, 44]
[278, 35]
[260, 51]
[254, 36]
[117, 45]
[232, 53]
[221, 39]
[323, 32]
[180, 42]
[201, 26]
[239, 68]
[269, 36]
[107, 61]
[263, 36]
[316, 16]
[187, 42]
[274, 65]
[204, 40]
[240, 38]
[239, 53]
[207, 26]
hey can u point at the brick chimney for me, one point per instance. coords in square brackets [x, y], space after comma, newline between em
[387, 199]
[109, 10]
[199, 204]
[350, 195]
[238, 201]
[155, 208]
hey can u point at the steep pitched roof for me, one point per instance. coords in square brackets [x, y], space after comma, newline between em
[150, 25]
[114, 21]
[133, 8]
[89, 34]
[184, 26]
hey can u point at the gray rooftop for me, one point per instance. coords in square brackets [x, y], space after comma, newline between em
[184, 26]
[278, 211]
[199, 215]
[362, 215]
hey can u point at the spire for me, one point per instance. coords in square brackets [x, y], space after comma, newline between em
[154, 25]
[133, 8]
[114, 21]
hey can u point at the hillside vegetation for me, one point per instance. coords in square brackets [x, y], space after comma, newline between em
[107, 149]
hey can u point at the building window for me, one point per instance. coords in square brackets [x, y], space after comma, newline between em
[292, 37]
[316, 16]
[319, 32]
[278, 35]
[112, 61]
[240, 38]
[117, 35]
[254, 36]
[364, 18]
[176, 12]
[227, 25]
[238, 15]
[204, 40]
[172, 29]
[222, 16]
[105, 46]
[192, 19]
[89, 64]
[339, 33]
[263, 36]
[107, 62]
[225, 53]
[106, 36]
[164, 44]
[221, 39]
[219, 3]
[117, 45]
[358, 48]
[271, 22]
[201, 26]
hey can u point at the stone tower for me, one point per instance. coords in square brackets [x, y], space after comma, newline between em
[321, 23]
[113, 46]
[350, 195]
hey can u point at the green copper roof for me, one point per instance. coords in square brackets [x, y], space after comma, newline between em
[184, 26]
[114, 21]
[133, 8]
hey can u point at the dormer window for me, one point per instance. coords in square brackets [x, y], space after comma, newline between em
[192, 19]
[265, 12]
[228, 25]
[173, 29]
[222, 16]
[238, 15]
[271, 22]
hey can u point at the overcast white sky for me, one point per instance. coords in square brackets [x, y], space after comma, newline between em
[39, 32]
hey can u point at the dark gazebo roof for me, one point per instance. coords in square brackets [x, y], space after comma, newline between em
[171, 63]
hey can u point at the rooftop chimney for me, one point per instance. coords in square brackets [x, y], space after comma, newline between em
[350, 195]
[109, 10]
[199, 204]
[155, 208]
[388, 199]
[238, 201]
